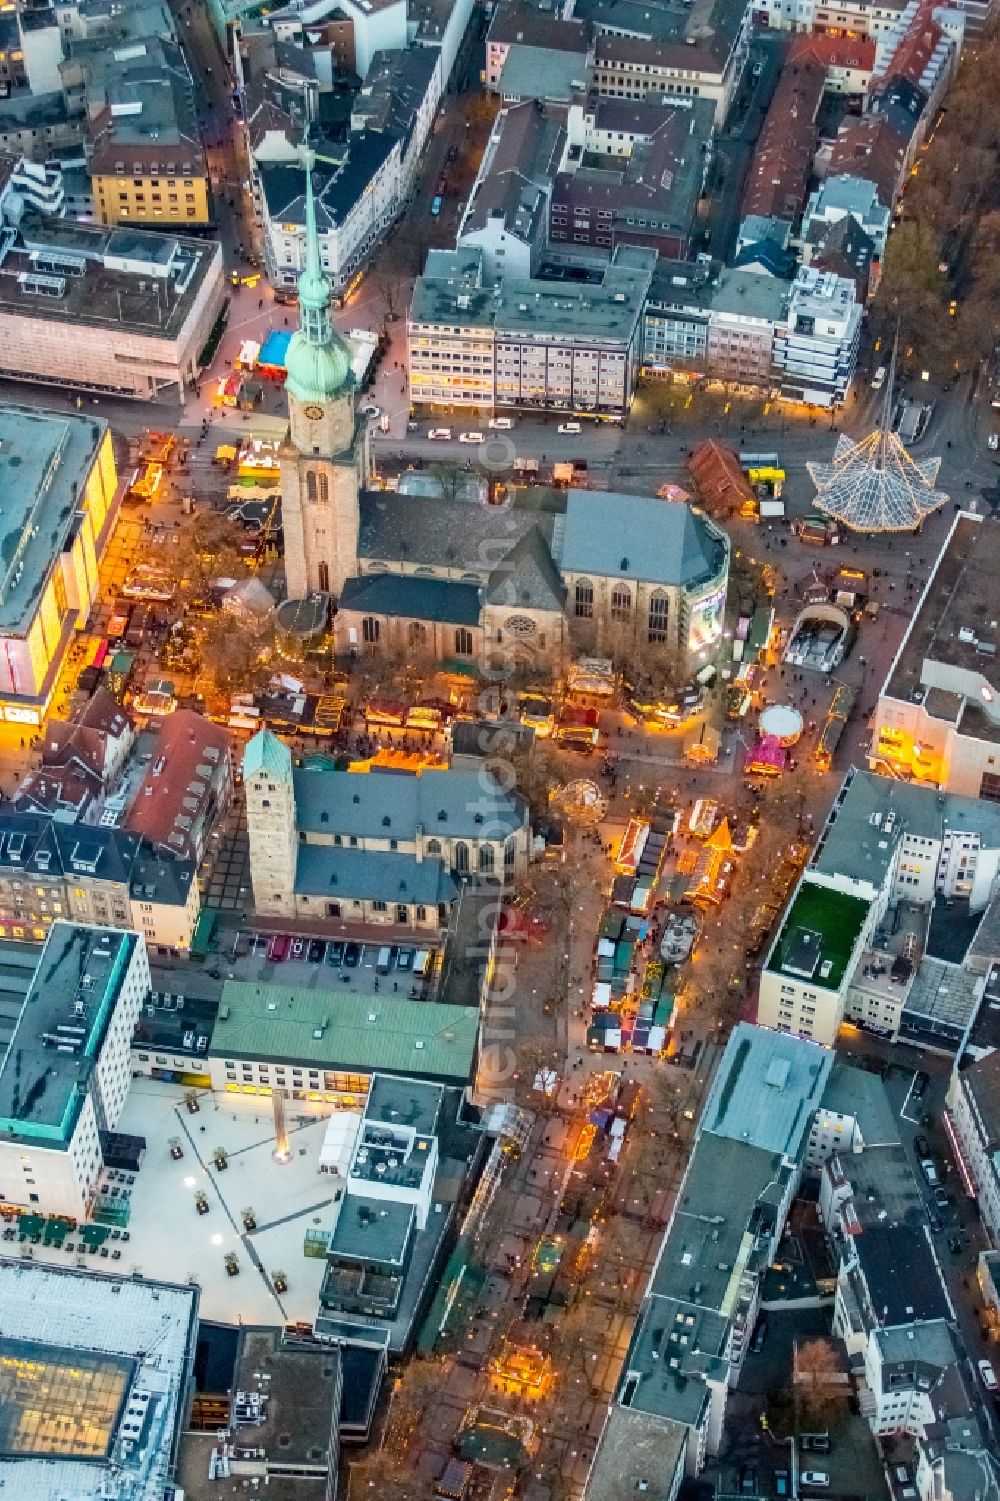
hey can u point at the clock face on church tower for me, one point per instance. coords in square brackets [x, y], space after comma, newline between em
[314, 413]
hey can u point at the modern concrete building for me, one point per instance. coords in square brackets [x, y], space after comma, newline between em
[149, 302]
[98, 1377]
[65, 1072]
[60, 488]
[322, 1050]
[392, 1224]
[816, 343]
[714, 321]
[937, 720]
[662, 50]
[381, 849]
[566, 346]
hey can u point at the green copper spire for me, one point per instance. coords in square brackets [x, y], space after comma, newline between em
[318, 364]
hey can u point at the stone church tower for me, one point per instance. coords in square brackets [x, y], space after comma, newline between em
[326, 460]
[270, 798]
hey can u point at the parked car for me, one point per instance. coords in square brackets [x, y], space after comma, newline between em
[352, 955]
[814, 1443]
[781, 1484]
[941, 1199]
[987, 1375]
[921, 1146]
[436, 205]
[298, 948]
[278, 948]
[316, 948]
[902, 1474]
[405, 960]
[920, 1083]
[760, 1335]
[748, 1480]
[569, 427]
[993, 442]
[955, 1244]
[471, 438]
[818, 1478]
[335, 953]
[440, 435]
[502, 424]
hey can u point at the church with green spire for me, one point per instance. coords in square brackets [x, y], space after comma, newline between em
[326, 460]
[450, 580]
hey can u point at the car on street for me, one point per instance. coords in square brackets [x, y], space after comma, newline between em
[471, 438]
[748, 1480]
[993, 442]
[955, 1245]
[369, 409]
[277, 949]
[941, 1198]
[436, 205]
[440, 435]
[352, 955]
[298, 948]
[878, 379]
[760, 1335]
[316, 948]
[920, 1083]
[502, 424]
[814, 1443]
[569, 427]
[818, 1478]
[335, 953]
[757, 69]
[987, 1375]
[921, 1146]
[781, 1485]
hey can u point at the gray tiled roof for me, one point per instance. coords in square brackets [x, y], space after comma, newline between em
[358, 875]
[406, 597]
[385, 805]
[440, 533]
[630, 536]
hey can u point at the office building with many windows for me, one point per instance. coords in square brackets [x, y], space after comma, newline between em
[66, 1070]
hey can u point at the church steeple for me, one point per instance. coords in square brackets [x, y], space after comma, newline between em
[318, 363]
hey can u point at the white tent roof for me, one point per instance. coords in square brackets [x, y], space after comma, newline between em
[875, 486]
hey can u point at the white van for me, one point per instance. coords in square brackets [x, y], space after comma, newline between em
[422, 963]
[383, 963]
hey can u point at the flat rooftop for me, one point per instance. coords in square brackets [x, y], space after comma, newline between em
[957, 614]
[45, 460]
[944, 995]
[297, 1386]
[638, 1452]
[766, 1089]
[53, 1045]
[873, 813]
[376, 1230]
[606, 311]
[112, 1356]
[103, 277]
[377, 1033]
[818, 935]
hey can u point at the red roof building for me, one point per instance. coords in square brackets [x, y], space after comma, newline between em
[187, 786]
[778, 181]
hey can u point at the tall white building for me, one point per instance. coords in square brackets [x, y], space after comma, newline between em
[816, 343]
[66, 1066]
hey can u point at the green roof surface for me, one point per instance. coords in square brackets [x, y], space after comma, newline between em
[368, 1033]
[265, 752]
[832, 917]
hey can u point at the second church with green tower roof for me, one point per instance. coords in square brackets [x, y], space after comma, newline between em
[326, 460]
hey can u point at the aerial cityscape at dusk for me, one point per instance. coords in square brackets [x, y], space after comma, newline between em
[500, 750]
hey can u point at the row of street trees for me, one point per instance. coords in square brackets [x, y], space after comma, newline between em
[941, 273]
